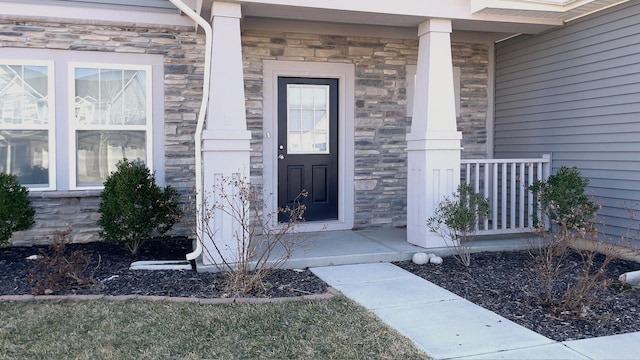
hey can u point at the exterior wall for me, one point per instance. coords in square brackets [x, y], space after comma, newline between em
[574, 92]
[473, 61]
[183, 68]
[381, 123]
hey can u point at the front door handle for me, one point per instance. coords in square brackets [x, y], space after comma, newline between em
[280, 157]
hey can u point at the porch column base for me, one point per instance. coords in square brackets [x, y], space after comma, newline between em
[225, 156]
[434, 173]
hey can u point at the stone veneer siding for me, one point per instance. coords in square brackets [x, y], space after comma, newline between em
[182, 50]
[473, 61]
[380, 120]
[381, 124]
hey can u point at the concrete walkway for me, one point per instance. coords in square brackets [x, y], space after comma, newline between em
[447, 326]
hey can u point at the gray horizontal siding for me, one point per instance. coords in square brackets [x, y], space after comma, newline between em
[135, 5]
[575, 92]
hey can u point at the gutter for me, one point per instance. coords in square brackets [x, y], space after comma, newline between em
[201, 119]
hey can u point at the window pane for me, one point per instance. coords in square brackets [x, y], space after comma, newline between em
[308, 126]
[321, 141]
[307, 120]
[24, 97]
[25, 153]
[99, 152]
[307, 97]
[294, 120]
[87, 96]
[110, 97]
[320, 97]
[293, 93]
[133, 98]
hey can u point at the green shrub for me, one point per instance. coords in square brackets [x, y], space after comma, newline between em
[133, 208]
[456, 219]
[563, 199]
[16, 211]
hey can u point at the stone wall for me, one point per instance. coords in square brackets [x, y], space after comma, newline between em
[473, 61]
[380, 101]
[182, 50]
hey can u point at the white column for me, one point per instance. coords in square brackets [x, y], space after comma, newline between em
[433, 145]
[226, 141]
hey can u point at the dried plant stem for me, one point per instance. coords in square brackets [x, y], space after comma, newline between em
[259, 246]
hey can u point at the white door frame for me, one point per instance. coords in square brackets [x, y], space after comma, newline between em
[345, 73]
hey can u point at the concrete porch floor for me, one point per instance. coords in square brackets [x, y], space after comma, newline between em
[345, 247]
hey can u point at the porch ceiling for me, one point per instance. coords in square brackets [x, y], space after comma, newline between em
[458, 11]
[498, 16]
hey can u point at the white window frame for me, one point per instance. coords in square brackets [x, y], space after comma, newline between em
[61, 119]
[51, 136]
[74, 127]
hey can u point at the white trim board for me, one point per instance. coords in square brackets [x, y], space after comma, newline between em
[83, 14]
[345, 73]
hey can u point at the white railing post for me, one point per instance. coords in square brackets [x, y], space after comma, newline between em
[512, 198]
[494, 196]
[522, 181]
[486, 191]
[546, 166]
[546, 172]
[503, 196]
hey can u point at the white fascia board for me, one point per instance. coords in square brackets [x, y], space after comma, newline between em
[557, 6]
[506, 18]
[51, 12]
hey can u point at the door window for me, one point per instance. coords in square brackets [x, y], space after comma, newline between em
[307, 120]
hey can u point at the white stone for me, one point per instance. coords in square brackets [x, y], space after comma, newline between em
[420, 258]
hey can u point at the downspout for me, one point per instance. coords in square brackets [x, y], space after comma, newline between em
[201, 119]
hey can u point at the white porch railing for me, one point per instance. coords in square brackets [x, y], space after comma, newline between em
[505, 182]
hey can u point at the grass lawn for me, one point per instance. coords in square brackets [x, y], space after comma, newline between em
[327, 329]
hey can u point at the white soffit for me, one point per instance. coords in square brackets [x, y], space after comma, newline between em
[564, 10]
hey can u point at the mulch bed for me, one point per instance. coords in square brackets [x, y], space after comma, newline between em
[505, 283]
[110, 270]
[502, 282]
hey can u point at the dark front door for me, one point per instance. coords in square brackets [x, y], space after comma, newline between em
[308, 146]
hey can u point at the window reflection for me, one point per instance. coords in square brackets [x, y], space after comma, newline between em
[25, 153]
[23, 94]
[110, 97]
[24, 123]
[111, 117]
[307, 122]
[99, 152]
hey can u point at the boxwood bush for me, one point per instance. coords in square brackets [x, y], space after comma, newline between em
[16, 211]
[133, 208]
[563, 198]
